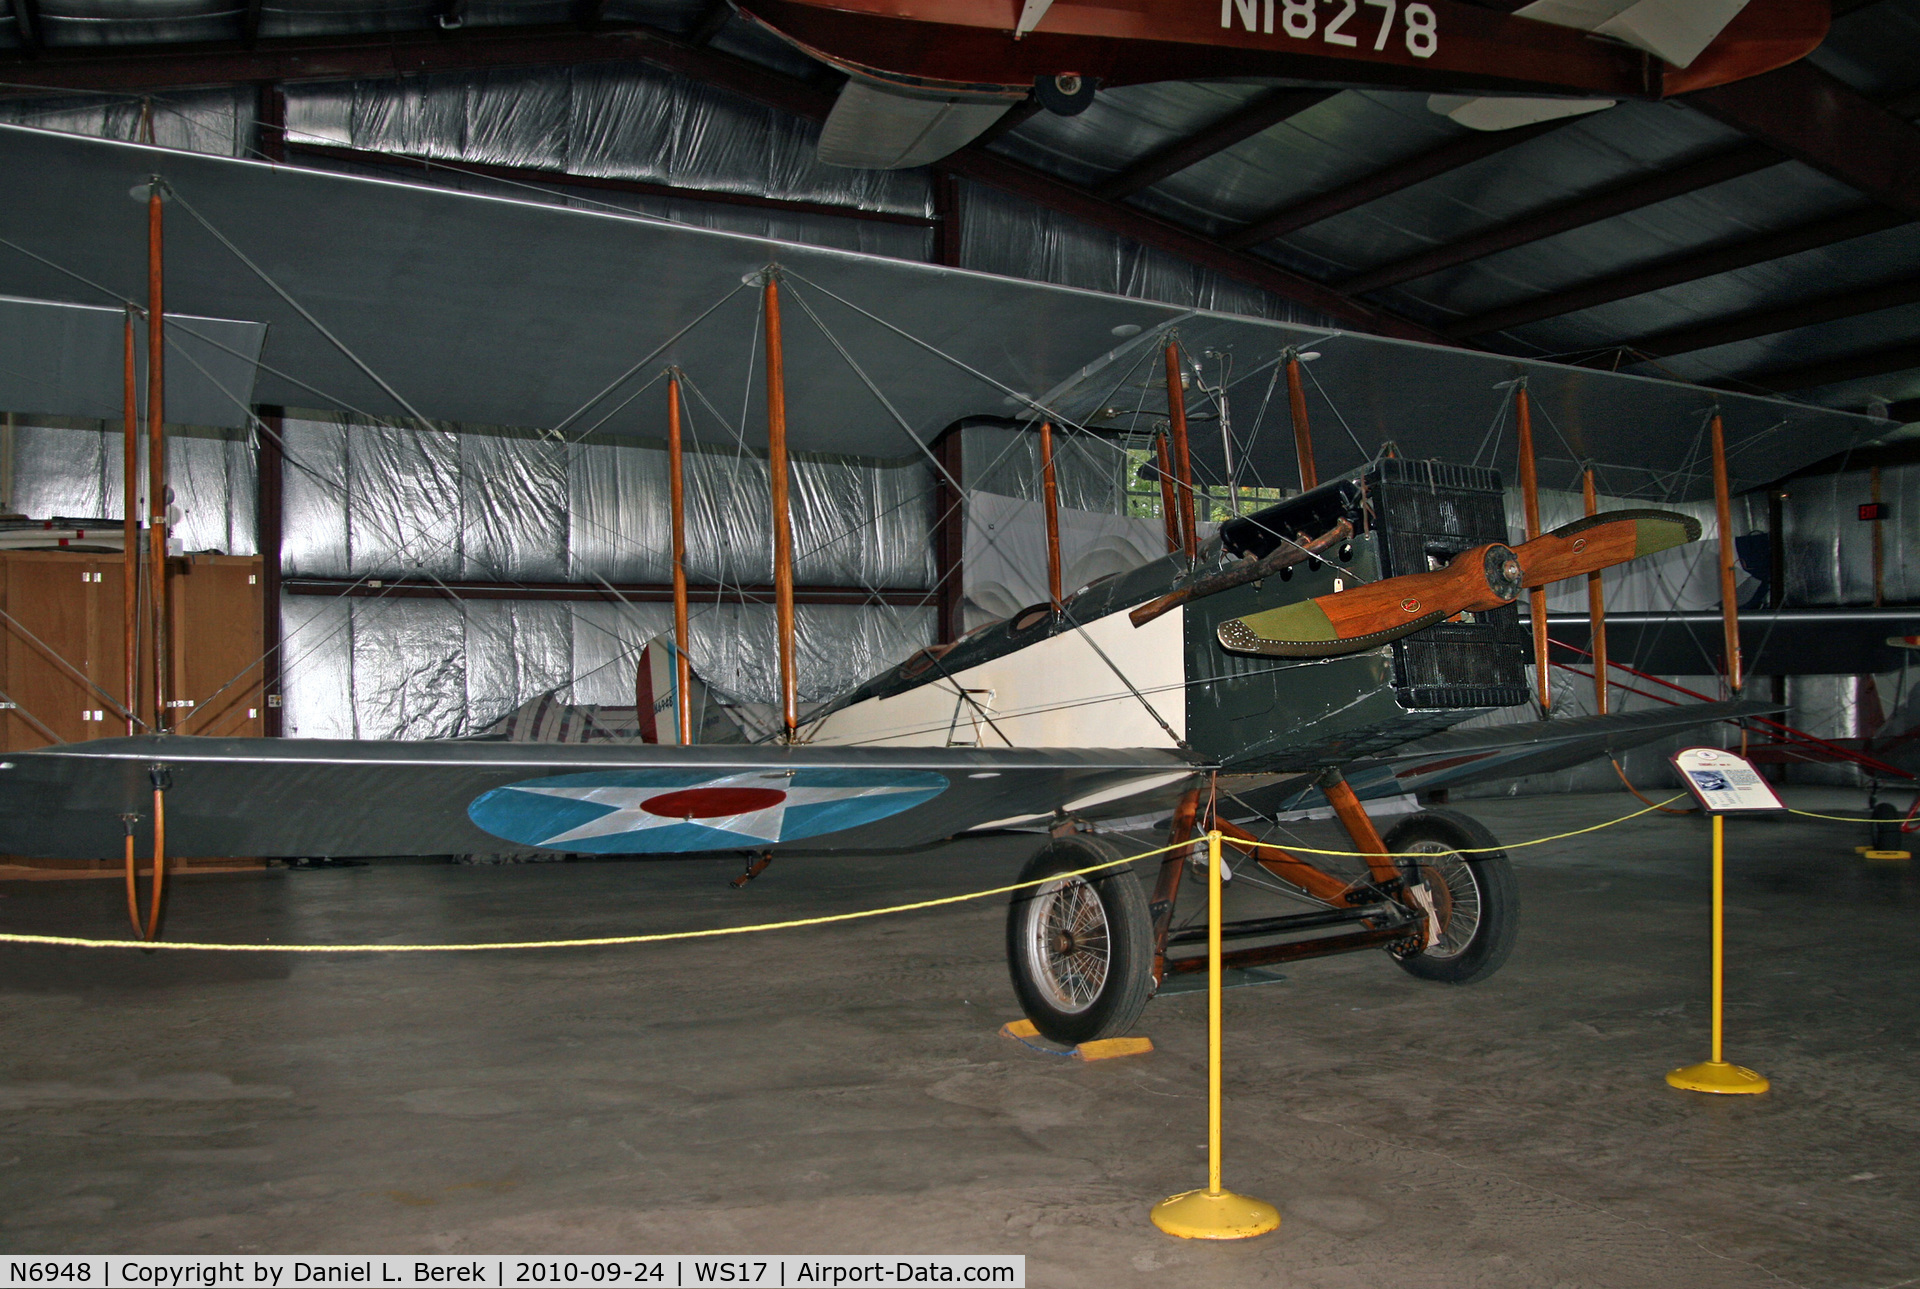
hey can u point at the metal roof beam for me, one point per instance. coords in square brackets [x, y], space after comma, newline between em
[977, 164]
[1832, 371]
[1767, 322]
[711, 21]
[1015, 117]
[1070, 199]
[1678, 270]
[556, 179]
[1385, 182]
[1794, 113]
[1256, 117]
[1817, 119]
[292, 59]
[1694, 265]
[1618, 199]
[26, 22]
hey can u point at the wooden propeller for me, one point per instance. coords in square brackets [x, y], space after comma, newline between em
[1474, 581]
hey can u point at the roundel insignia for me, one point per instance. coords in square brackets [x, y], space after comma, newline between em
[620, 812]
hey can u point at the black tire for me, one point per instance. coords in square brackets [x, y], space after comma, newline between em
[1475, 896]
[1065, 95]
[1080, 950]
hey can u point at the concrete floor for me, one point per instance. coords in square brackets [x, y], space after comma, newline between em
[843, 1089]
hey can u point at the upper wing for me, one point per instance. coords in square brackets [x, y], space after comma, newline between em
[306, 797]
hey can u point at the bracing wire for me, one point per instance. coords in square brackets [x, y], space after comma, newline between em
[1080, 629]
[399, 541]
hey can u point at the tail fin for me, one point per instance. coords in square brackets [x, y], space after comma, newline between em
[658, 699]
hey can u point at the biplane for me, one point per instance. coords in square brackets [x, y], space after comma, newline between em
[928, 76]
[1303, 655]
[1329, 629]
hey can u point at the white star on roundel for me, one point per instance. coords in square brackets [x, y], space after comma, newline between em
[629, 816]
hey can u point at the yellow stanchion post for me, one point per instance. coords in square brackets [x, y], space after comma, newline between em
[1214, 1213]
[1717, 1075]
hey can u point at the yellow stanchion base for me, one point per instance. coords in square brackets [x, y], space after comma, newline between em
[1196, 1215]
[1868, 852]
[1718, 1076]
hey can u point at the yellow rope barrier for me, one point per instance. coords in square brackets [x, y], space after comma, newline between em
[1847, 819]
[80, 942]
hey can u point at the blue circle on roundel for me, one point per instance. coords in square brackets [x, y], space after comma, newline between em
[644, 812]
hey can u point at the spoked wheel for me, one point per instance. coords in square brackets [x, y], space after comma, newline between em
[1476, 902]
[1080, 948]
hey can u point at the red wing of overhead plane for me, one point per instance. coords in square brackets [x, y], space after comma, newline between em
[1593, 48]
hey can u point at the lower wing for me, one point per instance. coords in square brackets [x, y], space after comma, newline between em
[320, 797]
[1458, 758]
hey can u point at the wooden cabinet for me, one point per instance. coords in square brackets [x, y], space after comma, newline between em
[63, 629]
[216, 645]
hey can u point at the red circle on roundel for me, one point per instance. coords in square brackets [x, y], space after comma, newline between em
[711, 803]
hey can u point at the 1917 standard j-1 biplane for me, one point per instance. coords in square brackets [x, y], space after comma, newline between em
[1320, 632]
[1301, 657]
[1323, 631]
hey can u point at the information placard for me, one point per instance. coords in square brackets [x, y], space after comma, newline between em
[1724, 783]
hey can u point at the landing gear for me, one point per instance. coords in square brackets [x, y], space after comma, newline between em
[1086, 952]
[1080, 948]
[1475, 903]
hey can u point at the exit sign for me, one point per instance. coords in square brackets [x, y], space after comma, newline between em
[1873, 510]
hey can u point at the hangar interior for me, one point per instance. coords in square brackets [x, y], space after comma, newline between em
[430, 270]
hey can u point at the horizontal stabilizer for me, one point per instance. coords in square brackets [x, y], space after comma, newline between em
[1674, 31]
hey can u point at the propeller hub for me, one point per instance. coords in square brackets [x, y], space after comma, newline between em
[1503, 572]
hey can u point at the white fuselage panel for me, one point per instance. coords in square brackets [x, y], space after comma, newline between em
[1060, 692]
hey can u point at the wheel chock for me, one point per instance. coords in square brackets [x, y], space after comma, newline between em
[1100, 1049]
[1105, 1049]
